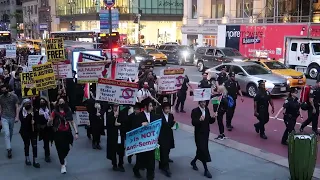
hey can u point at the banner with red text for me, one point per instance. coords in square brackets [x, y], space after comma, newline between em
[90, 72]
[62, 70]
[115, 91]
[170, 80]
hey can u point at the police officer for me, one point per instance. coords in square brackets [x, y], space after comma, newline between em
[313, 110]
[233, 89]
[205, 83]
[221, 77]
[261, 108]
[292, 111]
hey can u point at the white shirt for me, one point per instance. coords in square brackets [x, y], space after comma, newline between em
[166, 116]
[143, 94]
[148, 116]
[203, 110]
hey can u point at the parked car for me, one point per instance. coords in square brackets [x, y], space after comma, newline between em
[177, 54]
[139, 55]
[159, 56]
[207, 57]
[295, 78]
[248, 74]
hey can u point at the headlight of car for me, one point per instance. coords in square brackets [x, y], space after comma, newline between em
[288, 82]
[154, 58]
[185, 53]
[138, 59]
[165, 56]
[269, 85]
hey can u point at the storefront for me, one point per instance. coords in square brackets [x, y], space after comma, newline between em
[200, 35]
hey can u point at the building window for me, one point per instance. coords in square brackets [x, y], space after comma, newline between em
[244, 8]
[194, 9]
[217, 8]
[35, 9]
[31, 9]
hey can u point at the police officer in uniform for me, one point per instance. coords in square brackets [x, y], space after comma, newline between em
[261, 108]
[233, 89]
[221, 77]
[292, 111]
[313, 111]
[205, 83]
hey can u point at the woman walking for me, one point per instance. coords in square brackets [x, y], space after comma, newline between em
[62, 120]
[28, 132]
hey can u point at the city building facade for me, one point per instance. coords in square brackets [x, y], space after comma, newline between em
[31, 19]
[203, 20]
[160, 21]
[11, 15]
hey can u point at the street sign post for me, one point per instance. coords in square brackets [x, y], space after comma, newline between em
[109, 3]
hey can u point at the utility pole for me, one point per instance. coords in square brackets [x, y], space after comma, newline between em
[110, 32]
[310, 17]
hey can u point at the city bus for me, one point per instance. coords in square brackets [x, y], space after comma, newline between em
[5, 38]
[90, 36]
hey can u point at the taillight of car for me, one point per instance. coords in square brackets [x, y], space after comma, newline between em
[115, 49]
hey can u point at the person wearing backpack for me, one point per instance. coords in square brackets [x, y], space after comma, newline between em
[61, 119]
[233, 89]
[220, 108]
[313, 108]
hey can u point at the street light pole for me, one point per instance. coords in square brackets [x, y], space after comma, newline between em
[110, 32]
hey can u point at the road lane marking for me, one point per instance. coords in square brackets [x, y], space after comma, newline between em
[279, 119]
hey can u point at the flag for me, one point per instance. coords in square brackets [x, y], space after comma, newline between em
[80, 58]
[86, 90]
[216, 100]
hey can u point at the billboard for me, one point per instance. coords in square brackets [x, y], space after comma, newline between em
[249, 39]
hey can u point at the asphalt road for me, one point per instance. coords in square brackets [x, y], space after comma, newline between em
[195, 76]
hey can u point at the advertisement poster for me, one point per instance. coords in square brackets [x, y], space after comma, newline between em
[44, 76]
[124, 71]
[55, 50]
[90, 72]
[36, 60]
[202, 94]
[253, 40]
[143, 139]
[115, 91]
[28, 87]
[11, 50]
[62, 70]
[170, 80]
[82, 115]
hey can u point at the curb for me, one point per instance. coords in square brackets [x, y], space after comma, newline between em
[276, 159]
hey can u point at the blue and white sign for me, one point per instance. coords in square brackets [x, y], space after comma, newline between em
[143, 139]
[104, 20]
[109, 3]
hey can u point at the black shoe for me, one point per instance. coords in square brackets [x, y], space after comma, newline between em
[121, 168]
[194, 166]
[89, 136]
[229, 128]
[98, 147]
[167, 172]
[9, 153]
[130, 159]
[170, 160]
[137, 174]
[263, 136]
[301, 129]
[284, 143]
[182, 111]
[256, 128]
[220, 137]
[47, 159]
[114, 168]
[94, 146]
[207, 174]
[36, 164]
[28, 162]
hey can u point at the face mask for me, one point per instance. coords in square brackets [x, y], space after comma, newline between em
[28, 107]
[61, 105]
[43, 104]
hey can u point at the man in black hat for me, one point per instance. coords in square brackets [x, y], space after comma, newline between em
[205, 83]
[261, 108]
[222, 76]
[233, 89]
[313, 110]
[166, 139]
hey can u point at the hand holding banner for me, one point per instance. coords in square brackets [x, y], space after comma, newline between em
[202, 94]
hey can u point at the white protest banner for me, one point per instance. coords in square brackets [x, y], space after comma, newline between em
[202, 94]
[36, 60]
[170, 80]
[62, 70]
[11, 50]
[124, 71]
[82, 115]
[84, 57]
[115, 91]
[89, 72]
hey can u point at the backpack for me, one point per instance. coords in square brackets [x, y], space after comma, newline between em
[230, 101]
[304, 97]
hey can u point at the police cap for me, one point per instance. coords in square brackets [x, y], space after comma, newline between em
[261, 81]
[232, 74]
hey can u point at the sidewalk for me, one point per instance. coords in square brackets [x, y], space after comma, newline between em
[85, 163]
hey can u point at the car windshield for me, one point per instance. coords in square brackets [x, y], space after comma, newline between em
[231, 52]
[134, 51]
[255, 70]
[316, 48]
[275, 65]
[152, 51]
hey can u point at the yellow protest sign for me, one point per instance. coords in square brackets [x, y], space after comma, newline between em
[55, 50]
[28, 86]
[44, 77]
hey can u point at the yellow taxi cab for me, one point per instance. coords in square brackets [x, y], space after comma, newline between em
[160, 58]
[294, 78]
[34, 44]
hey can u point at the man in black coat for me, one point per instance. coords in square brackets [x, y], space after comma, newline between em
[166, 139]
[201, 120]
[145, 159]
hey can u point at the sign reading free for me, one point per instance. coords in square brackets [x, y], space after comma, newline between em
[55, 50]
